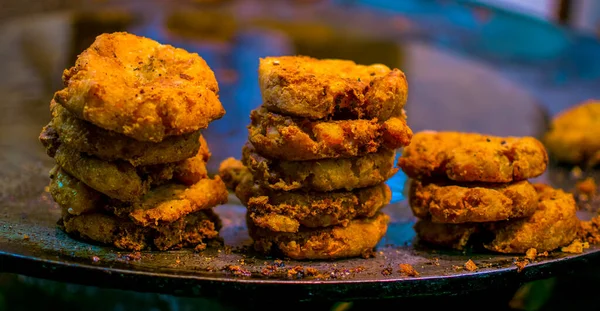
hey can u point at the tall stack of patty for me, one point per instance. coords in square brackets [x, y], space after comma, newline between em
[319, 151]
[130, 159]
[469, 188]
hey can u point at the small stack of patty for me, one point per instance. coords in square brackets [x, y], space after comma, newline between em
[319, 150]
[130, 159]
[469, 188]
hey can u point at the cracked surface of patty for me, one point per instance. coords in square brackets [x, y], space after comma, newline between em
[473, 157]
[320, 175]
[141, 88]
[329, 88]
[293, 139]
[447, 202]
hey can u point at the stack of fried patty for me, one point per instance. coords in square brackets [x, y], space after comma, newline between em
[130, 159]
[319, 151]
[469, 187]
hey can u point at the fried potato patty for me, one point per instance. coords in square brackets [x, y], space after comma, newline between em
[293, 139]
[72, 195]
[321, 175]
[473, 157]
[446, 202]
[111, 146]
[574, 135]
[554, 224]
[317, 89]
[140, 88]
[190, 231]
[358, 238]
[446, 235]
[171, 201]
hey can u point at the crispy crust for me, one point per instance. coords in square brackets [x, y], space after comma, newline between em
[111, 146]
[574, 135]
[292, 139]
[473, 157]
[190, 231]
[72, 195]
[287, 211]
[317, 89]
[445, 235]
[169, 202]
[320, 175]
[554, 224]
[445, 202]
[358, 238]
[140, 88]
[232, 172]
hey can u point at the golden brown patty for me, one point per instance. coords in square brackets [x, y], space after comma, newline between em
[138, 87]
[554, 224]
[72, 195]
[473, 157]
[574, 135]
[358, 238]
[321, 175]
[287, 211]
[446, 202]
[317, 89]
[445, 235]
[190, 231]
[292, 139]
[161, 205]
[110, 146]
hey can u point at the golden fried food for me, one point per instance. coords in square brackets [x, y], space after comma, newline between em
[321, 175]
[232, 172]
[190, 231]
[554, 224]
[140, 88]
[169, 202]
[446, 202]
[72, 195]
[287, 211]
[574, 135]
[111, 146]
[358, 238]
[473, 157]
[292, 139]
[455, 236]
[192, 170]
[317, 89]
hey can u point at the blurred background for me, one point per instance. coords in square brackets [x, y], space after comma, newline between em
[501, 67]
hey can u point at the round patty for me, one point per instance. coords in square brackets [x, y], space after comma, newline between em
[358, 238]
[473, 157]
[574, 135]
[446, 202]
[110, 146]
[293, 139]
[320, 175]
[317, 89]
[141, 88]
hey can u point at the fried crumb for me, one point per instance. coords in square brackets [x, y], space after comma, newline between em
[26, 237]
[587, 188]
[531, 254]
[470, 265]
[311, 271]
[387, 271]
[457, 268]
[200, 247]
[589, 231]
[544, 254]
[408, 270]
[521, 264]
[576, 247]
[436, 261]
[133, 256]
[238, 271]
[295, 272]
